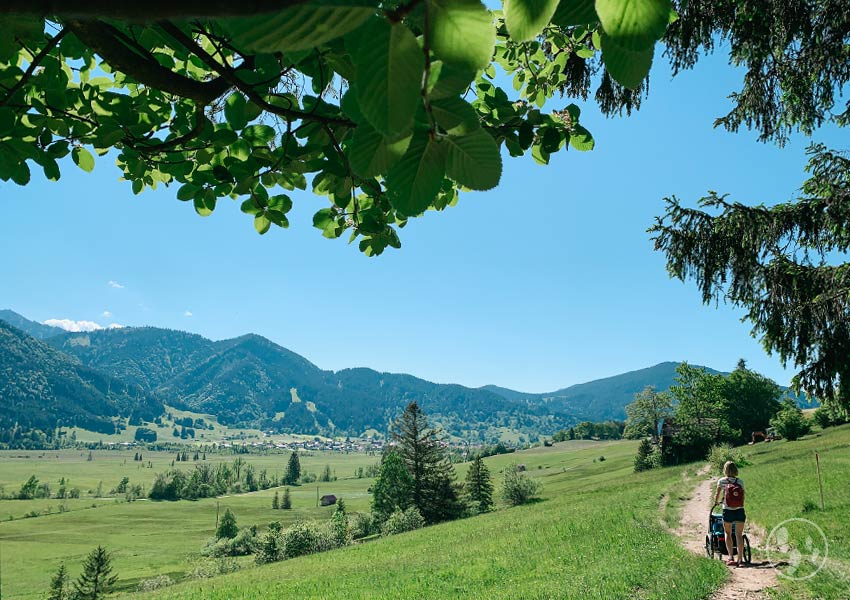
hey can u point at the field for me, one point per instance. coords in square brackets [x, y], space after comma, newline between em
[597, 533]
[149, 538]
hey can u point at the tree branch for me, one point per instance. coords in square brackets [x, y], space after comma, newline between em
[230, 75]
[99, 38]
[51, 44]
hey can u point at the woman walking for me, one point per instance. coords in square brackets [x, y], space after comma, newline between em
[731, 489]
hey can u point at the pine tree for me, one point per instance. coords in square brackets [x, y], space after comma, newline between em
[286, 502]
[424, 454]
[227, 527]
[96, 580]
[59, 585]
[643, 460]
[293, 469]
[276, 501]
[479, 487]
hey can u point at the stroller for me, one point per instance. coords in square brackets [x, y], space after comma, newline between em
[715, 540]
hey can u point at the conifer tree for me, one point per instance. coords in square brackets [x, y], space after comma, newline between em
[293, 469]
[97, 579]
[286, 502]
[276, 501]
[227, 527]
[479, 487]
[435, 492]
[59, 585]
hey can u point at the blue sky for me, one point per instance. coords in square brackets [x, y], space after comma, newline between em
[546, 281]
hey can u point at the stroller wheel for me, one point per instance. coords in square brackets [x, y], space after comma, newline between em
[709, 550]
[747, 555]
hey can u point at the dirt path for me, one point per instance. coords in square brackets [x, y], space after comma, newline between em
[747, 583]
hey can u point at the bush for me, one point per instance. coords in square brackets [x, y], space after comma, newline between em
[155, 583]
[518, 488]
[242, 544]
[790, 422]
[210, 568]
[720, 454]
[300, 539]
[809, 505]
[271, 546]
[362, 525]
[826, 417]
[401, 521]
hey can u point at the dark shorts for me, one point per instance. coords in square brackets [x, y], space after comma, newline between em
[734, 515]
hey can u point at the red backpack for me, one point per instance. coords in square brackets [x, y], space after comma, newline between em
[734, 494]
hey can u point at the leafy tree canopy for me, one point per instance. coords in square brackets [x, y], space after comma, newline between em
[388, 108]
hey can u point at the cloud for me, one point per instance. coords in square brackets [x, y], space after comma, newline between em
[79, 326]
[69, 325]
[115, 284]
[188, 313]
[107, 314]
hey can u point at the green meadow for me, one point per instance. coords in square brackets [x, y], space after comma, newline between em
[596, 533]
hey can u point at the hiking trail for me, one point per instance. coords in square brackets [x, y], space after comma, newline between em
[745, 583]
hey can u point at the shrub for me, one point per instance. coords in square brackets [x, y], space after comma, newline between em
[362, 525]
[720, 454]
[155, 583]
[826, 417]
[210, 568]
[790, 422]
[271, 546]
[401, 521]
[518, 488]
[242, 544]
[300, 539]
[809, 505]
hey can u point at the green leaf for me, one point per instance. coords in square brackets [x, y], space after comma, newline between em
[634, 24]
[21, 173]
[258, 135]
[372, 154]
[446, 81]
[235, 110]
[187, 191]
[581, 140]
[51, 169]
[262, 223]
[575, 12]
[455, 115]
[83, 159]
[474, 160]
[525, 19]
[301, 27]
[462, 33]
[415, 180]
[389, 76]
[205, 204]
[628, 67]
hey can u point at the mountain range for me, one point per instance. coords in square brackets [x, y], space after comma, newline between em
[251, 381]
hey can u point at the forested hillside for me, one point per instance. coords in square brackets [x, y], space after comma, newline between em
[41, 388]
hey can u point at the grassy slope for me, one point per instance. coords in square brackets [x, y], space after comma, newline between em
[596, 535]
[148, 538]
[782, 477]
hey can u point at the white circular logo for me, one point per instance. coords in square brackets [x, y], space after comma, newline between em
[797, 548]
